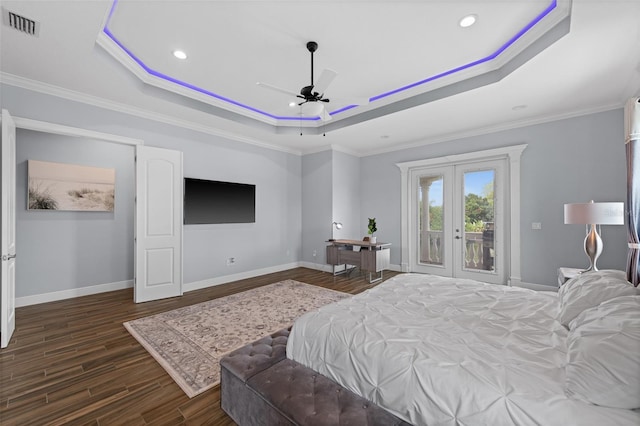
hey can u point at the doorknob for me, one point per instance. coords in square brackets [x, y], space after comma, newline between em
[8, 257]
[458, 237]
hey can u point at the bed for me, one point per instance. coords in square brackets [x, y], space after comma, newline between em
[441, 351]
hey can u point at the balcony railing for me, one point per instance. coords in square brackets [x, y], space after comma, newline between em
[478, 253]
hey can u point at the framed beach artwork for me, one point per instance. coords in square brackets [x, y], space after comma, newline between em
[70, 187]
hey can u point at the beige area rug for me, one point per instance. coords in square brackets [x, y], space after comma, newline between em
[189, 342]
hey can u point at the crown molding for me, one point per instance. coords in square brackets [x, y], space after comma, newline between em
[495, 129]
[332, 147]
[60, 92]
[342, 149]
[49, 89]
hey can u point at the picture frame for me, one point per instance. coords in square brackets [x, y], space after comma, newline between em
[70, 187]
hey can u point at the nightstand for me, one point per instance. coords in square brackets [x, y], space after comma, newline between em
[565, 274]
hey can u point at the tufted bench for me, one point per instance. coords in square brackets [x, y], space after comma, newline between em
[261, 386]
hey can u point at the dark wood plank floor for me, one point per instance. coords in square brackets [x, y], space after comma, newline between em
[73, 362]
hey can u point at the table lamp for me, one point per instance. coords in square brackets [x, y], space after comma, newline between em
[594, 215]
[336, 225]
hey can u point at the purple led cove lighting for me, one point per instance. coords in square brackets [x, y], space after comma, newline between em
[343, 109]
[165, 77]
[188, 85]
[194, 87]
[491, 57]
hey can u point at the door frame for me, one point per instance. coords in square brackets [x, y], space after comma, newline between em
[59, 129]
[512, 155]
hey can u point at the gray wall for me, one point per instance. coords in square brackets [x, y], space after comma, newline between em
[61, 251]
[330, 192]
[346, 196]
[316, 205]
[572, 160]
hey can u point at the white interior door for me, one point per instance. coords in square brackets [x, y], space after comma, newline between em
[158, 244]
[458, 221]
[8, 230]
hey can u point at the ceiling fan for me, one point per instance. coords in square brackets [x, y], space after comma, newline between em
[313, 92]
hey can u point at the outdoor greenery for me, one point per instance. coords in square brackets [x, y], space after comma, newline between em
[478, 211]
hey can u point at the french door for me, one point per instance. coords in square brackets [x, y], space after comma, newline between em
[458, 220]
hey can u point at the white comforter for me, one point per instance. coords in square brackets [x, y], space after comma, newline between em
[438, 351]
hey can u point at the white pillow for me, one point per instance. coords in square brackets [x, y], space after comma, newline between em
[603, 354]
[590, 289]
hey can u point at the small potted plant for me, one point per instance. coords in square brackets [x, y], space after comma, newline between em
[372, 229]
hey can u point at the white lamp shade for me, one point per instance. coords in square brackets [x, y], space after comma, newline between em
[594, 213]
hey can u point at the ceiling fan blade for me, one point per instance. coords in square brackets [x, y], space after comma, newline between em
[278, 89]
[325, 79]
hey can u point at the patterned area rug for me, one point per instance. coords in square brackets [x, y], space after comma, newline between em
[189, 342]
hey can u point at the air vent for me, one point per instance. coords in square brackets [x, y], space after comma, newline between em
[20, 23]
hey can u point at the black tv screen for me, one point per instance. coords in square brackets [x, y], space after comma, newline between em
[209, 201]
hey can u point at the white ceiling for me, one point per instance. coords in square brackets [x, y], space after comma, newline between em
[375, 47]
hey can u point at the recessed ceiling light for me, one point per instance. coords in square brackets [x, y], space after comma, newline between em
[468, 21]
[292, 104]
[179, 54]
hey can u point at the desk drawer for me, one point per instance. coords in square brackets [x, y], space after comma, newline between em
[349, 256]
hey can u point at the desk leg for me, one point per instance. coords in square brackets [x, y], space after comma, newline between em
[338, 273]
[346, 270]
[372, 280]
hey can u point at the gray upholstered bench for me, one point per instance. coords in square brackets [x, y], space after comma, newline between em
[261, 386]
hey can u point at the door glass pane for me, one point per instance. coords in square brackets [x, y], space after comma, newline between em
[479, 215]
[431, 214]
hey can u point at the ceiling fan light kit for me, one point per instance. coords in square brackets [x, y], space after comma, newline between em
[313, 93]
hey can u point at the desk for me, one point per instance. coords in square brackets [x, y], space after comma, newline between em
[372, 258]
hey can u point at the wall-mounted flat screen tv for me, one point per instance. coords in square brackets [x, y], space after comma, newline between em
[210, 201]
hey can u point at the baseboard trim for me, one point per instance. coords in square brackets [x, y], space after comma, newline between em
[36, 299]
[396, 268]
[317, 266]
[210, 282]
[54, 296]
[537, 287]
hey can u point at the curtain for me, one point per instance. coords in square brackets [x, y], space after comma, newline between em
[632, 141]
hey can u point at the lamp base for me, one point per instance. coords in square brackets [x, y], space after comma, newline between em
[592, 247]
